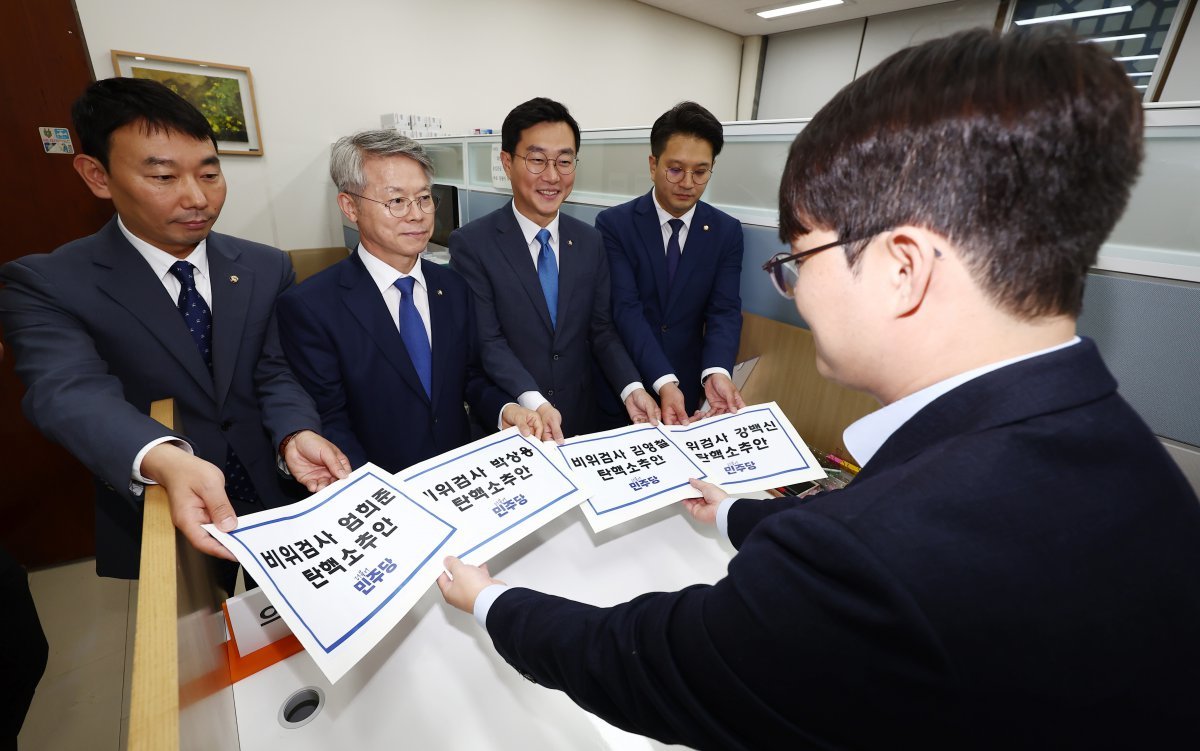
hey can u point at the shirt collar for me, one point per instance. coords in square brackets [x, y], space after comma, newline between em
[665, 216]
[160, 260]
[384, 275]
[530, 229]
[865, 436]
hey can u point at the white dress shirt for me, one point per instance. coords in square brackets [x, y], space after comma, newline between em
[534, 399]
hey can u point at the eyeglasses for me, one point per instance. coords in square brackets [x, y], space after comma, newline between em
[784, 268]
[699, 176]
[398, 207]
[536, 163]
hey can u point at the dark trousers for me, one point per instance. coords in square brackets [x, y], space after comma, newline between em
[23, 658]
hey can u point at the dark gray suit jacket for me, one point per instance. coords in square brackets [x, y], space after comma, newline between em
[96, 338]
[521, 351]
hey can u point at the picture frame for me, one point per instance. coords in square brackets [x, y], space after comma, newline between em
[223, 93]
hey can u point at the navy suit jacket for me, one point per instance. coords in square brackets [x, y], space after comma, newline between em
[695, 322]
[521, 350]
[345, 348]
[96, 339]
[1016, 567]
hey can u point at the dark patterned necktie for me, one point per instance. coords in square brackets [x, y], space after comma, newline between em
[198, 317]
[673, 251]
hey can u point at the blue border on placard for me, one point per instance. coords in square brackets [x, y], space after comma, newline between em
[703, 474]
[386, 600]
[522, 520]
[713, 420]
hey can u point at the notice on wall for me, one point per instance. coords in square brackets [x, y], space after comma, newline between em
[629, 472]
[56, 140]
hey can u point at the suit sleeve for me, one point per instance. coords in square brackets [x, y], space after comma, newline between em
[629, 316]
[70, 395]
[312, 353]
[286, 406]
[499, 361]
[606, 342]
[485, 398]
[723, 313]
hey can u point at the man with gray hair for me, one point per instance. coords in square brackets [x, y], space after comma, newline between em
[384, 341]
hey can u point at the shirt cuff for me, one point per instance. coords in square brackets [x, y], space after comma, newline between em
[136, 476]
[485, 600]
[500, 417]
[668, 378]
[625, 392]
[723, 517]
[531, 400]
[709, 371]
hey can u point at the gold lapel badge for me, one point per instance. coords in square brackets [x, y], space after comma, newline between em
[439, 293]
[233, 278]
[706, 228]
[570, 242]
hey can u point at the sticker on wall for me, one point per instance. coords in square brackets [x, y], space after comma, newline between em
[56, 140]
[499, 179]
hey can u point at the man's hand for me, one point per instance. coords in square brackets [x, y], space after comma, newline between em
[196, 493]
[673, 411]
[526, 420]
[314, 461]
[642, 407]
[467, 583]
[723, 397]
[551, 423]
[704, 508]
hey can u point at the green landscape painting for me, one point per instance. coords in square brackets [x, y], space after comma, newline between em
[219, 99]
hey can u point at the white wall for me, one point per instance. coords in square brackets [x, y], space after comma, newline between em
[805, 68]
[323, 69]
[1183, 82]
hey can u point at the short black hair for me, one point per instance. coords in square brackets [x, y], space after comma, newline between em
[113, 103]
[1020, 149]
[689, 119]
[534, 112]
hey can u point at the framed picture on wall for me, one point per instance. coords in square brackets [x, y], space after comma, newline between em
[224, 93]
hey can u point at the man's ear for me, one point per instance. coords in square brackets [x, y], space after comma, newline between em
[93, 173]
[653, 160]
[348, 207]
[910, 253]
[506, 163]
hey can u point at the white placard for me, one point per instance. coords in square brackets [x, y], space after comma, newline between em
[494, 491]
[755, 449]
[628, 472]
[255, 621]
[344, 566]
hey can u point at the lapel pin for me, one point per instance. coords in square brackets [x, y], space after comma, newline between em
[570, 242]
[233, 279]
[439, 293]
[706, 228]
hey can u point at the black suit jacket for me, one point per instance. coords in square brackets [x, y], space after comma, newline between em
[346, 351]
[521, 351]
[96, 339]
[1017, 567]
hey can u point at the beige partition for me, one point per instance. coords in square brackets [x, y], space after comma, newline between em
[181, 693]
[787, 374]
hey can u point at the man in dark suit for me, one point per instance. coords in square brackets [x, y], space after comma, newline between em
[156, 305]
[541, 283]
[676, 269]
[1015, 566]
[384, 341]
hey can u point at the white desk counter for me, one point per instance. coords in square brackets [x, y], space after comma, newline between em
[435, 683]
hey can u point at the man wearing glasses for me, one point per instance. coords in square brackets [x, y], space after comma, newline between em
[676, 270]
[383, 340]
[1016, 564]
[541, 283]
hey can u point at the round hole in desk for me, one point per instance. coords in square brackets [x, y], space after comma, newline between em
[301, 707]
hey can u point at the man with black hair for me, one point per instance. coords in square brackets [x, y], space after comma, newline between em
[1016, 564]
[156, 305]
[676, 271]
[541, 283]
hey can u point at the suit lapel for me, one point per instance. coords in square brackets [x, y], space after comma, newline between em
[571, 269]
[441, 335]
[511, 246]
[131, 283]
[699, 244]
[232, 289]
[362, 297]
[649, 231]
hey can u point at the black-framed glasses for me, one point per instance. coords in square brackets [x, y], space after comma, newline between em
[537, 162]
[399, 207]
[784, 268]
[699, 176]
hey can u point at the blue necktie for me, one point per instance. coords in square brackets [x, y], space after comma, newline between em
[412, 331]
[673, 251]
[548, 274]
[198, 317]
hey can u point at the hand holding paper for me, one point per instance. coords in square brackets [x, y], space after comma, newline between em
[462, 585]
[704, 508]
